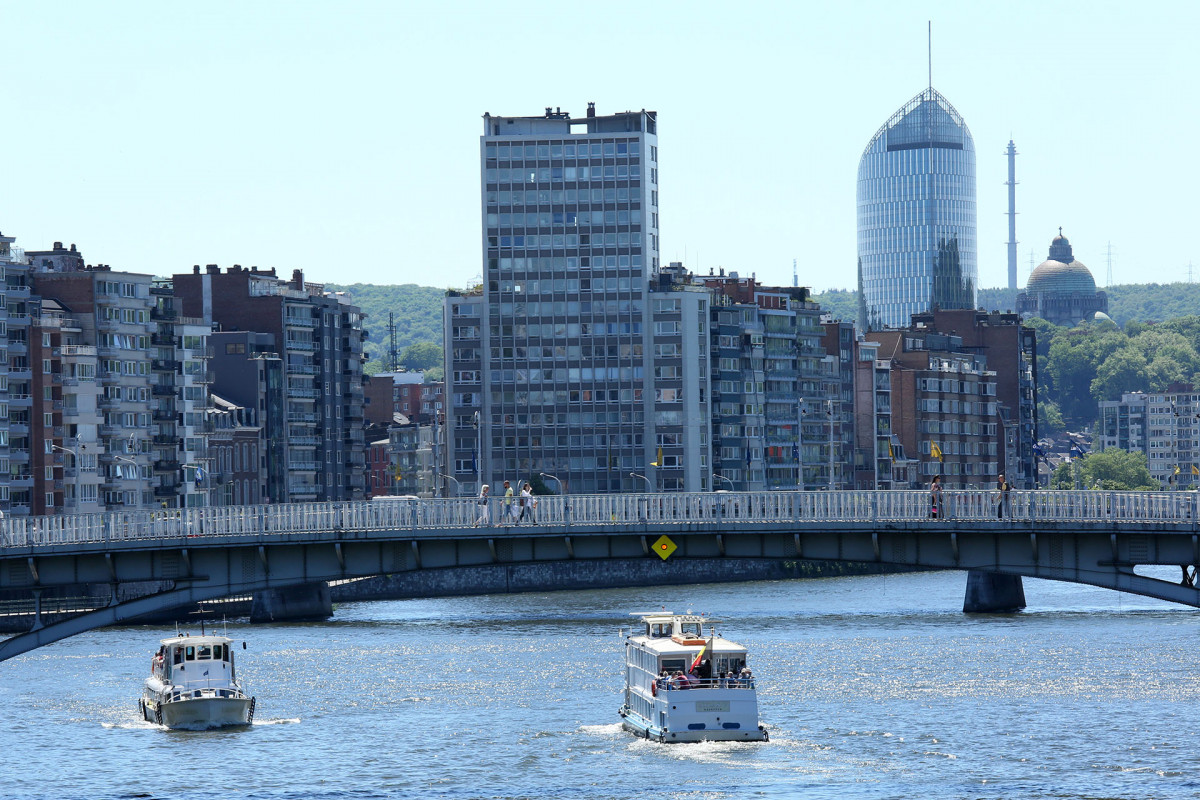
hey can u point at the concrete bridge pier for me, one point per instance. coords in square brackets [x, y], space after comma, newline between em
[309, 601]
[993, 593]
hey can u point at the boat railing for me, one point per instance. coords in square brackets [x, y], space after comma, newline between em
[680, 683]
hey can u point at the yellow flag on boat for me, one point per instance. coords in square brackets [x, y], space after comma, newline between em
[699, 655]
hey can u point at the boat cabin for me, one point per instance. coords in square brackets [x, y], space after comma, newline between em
[201, 659]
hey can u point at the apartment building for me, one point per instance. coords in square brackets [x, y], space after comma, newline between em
[1165, 426]
[316, 338]
[552, 347]
[942, 401]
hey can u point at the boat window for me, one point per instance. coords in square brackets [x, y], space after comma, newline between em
[205, 652]
[673, 664]
[220, 653]
[690, 629]
[177, 656]
[190, 653]
[660, 629]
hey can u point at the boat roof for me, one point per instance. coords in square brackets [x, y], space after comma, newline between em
[668, 646]
[667, 616]
[202, 639]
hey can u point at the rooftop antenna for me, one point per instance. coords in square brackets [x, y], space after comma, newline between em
[929, 39]
[1031, 259]
[1108, 280]
[796, 275]
[393, 353]
[1012, 215]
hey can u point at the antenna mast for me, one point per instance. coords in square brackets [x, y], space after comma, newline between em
[1108, 260]
[393, 353]
[1012, 215]
[795, 274]
[929, 39]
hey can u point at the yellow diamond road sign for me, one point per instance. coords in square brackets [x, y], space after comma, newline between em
[664, 547]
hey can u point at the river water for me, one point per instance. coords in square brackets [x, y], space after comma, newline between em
[872, 687]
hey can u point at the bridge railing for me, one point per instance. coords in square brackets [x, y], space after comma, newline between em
[664, 510]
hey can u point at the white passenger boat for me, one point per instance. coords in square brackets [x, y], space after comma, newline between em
[193, 684]
[683, 687]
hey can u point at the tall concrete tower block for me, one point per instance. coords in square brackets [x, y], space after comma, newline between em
[1012, 215]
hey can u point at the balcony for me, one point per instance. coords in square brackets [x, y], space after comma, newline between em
[160, 390]
[304, 489]
[163, 365]
[166, 491]
[163, 440]
[166, 466]
[303, 466]
[301, 369]
[166, 416]
[163, 314]
[299, 322]
[301, 344]
[164, 340]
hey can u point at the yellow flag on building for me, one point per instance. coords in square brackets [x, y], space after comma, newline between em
[658, 461]
[936, 451]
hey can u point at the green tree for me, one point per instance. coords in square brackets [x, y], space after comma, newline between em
[1113, 469]
[1122, 371]
[1050, 419]
[421, 356]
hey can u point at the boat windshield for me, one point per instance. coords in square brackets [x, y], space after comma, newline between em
[691, 629]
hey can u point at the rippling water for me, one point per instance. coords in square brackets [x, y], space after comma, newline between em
[873, 687]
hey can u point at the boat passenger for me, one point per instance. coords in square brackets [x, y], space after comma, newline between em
[747, 677]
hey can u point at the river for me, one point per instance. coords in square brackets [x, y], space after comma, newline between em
[871, 687]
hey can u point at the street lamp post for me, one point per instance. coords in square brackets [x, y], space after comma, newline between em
[457, 484]
[722, 477]
[137, 471]
[829, 411]
[649, 485]
[478, 452]
[561, 487]
[75, 455]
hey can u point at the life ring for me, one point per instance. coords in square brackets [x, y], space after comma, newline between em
[654, 688]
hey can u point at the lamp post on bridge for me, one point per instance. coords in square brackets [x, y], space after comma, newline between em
[457, 483]
[722, 477]
[561, 486]
[74, 455]
[649, 485]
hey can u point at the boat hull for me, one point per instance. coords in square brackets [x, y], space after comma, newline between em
[200, 713]
[642, 727]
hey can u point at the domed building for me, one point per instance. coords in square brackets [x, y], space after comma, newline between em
[1061, 289]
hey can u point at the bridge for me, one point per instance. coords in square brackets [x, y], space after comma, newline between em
[155, 561]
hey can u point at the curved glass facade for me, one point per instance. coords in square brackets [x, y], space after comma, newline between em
[916, 215]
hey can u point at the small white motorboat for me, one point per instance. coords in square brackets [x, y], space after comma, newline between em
[682, 687]
[193, 684]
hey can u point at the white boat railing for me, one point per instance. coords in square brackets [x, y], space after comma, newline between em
[666, 512]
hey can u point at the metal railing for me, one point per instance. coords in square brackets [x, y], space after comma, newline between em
[665, 511]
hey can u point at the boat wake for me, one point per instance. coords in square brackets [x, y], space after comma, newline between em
[289, 721]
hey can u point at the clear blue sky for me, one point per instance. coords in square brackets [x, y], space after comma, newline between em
[342, 138]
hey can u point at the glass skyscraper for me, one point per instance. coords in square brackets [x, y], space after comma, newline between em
[916, 215]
